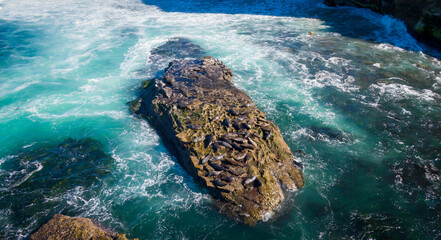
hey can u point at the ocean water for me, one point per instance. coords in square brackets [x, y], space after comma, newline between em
[360, 98]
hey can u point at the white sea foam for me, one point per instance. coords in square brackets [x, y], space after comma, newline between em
[401, 91]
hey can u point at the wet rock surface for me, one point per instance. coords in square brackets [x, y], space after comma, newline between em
[422, 17]
[221, 137]
[62, 227]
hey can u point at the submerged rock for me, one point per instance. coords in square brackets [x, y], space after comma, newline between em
[177, 48]
[259, 151]
[62, 227]
[37, 182]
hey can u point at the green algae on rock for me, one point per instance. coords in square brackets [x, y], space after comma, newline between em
[62, 227]
[221, 137]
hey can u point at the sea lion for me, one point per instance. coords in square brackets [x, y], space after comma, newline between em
[247, 134]
[236, 171]
[267, 135]
[206, 158]
[209, 139]
[230, 135]
[233, 112]
[198, 139]
[228, 178]
[249, 180]
[236, 126]
[247, 157]
[237, 147]
[298, 164]
[219, 183]
[246, 145]
[219, 157]
[246, 126]
[225, 140]
[239, 140]
[226, 122]
[252, 142]
[225, 144]
[215, 118]
[215, 147]
[232, 162]
[213, 173]
[240, 156]
[240, 119]
[194, 126]
[257, 183]
[262, 119]
[217, 167]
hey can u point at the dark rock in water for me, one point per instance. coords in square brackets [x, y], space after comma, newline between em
[331, 133]
[207, 84]
[178, 48]
[62, 227]
[422, 17]
[33, 176]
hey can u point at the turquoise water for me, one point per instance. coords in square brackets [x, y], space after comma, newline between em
[361, 98]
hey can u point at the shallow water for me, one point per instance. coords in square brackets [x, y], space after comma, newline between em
[361, 99]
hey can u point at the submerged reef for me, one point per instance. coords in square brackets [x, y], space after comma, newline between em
[35, 184]
[221, 137]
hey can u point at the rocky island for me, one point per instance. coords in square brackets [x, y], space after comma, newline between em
[221, 137]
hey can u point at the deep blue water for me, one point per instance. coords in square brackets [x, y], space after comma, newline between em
[361, 98]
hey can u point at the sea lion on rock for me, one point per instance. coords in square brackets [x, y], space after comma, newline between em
[219, 183]
[217, 166]
[194, 126]
[226, 122]
[215, 147]
[209, 139]
[198, 139]
[206, 158]
[215, 118]
[225, 144]
[249, 180]
[237, 147]
[219, 157]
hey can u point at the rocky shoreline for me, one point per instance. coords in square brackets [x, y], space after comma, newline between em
[221, 137]
[422, 17]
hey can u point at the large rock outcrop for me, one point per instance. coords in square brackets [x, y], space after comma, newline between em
[62, 227]
[422, 17]
[221, 137]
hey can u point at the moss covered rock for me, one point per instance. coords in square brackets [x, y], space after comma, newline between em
[62, 227]
[221, 137]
